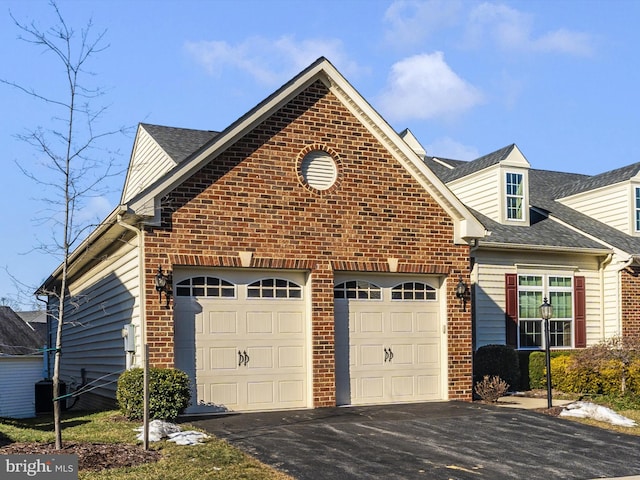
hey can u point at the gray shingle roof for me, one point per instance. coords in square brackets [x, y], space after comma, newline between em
[16, 336]
[462, 169]
[598, 181]
[179, 143]
[545, 188]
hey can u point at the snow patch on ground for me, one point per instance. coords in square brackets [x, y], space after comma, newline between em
[596, 412]
[159, 429]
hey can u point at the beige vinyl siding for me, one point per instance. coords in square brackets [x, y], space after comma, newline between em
[103, 300]
[148, 163]
[480, 191]
[489, 280]
[611, 205]
[611, 295]
[18, 377]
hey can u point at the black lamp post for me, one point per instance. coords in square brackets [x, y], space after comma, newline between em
[546, 312]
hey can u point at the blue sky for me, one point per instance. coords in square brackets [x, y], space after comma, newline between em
[557, 77]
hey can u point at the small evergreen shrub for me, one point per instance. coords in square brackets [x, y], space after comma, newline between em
[497, 360]
[490, 389]
[169, 393]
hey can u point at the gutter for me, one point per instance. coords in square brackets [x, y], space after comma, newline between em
[542, 248]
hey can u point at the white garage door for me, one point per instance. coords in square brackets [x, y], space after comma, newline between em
[242, 338]
[389, 340]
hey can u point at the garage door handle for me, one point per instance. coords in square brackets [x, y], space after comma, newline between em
[243, 358]
[390, 354]
[386, 355]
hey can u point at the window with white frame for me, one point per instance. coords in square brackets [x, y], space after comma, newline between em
[637, 209]
[514, 196]
[532, 289]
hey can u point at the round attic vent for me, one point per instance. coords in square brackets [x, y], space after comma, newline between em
[319, 170]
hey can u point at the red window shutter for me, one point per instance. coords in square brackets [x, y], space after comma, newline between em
[511, 309]
[580, 314]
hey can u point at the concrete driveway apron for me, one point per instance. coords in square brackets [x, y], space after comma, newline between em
[444, 440]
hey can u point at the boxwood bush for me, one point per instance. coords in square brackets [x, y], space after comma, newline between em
[169, 393]
[497, 360]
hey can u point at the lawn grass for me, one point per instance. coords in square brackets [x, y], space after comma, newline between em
[215, 459]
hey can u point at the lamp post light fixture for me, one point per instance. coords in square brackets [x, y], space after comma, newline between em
[461, 290]
[163, 284]
[546, 312]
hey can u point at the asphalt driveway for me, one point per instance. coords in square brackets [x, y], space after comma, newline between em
[444, 440]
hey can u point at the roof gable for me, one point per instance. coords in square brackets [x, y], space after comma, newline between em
[619, 175]
[467, 227]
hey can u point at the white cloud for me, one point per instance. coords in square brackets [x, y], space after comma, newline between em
[511, 29]
[411, 21]
[269, 62]
[425, 87]
[446, 147]
[93, 210]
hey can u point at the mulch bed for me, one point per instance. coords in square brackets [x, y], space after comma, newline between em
[91, 456]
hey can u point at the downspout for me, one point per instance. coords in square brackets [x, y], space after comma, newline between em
[143, 297]
[603, 264]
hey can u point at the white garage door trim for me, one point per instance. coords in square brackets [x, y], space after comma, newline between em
[390, 346]
[246, 345]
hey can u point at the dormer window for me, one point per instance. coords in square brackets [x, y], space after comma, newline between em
[515, 196]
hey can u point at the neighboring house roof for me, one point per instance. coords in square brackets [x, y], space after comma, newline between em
[462, 169]
[597, 181]
[37, 319]
[16, 336]
[553, 224]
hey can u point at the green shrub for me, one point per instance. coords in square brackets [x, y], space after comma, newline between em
[538, 369]
[568, 375]
[169, 393]
[497, 360]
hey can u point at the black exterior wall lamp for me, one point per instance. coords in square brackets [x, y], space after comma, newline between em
[546, 312]
[163, 285]
[461, 293]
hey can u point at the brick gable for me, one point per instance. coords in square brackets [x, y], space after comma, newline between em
[252, 198]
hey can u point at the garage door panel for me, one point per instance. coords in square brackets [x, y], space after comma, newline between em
[259, 322]
[291, 356]
[259, 358]
[403, 354]
[370, 322]
[226, 394]
[429, 386]
[222, 359]
[291, 391]
[260, 393]
[401, 322]
[290, 323]
[428, 354]
[428, 322]
[402, 386]
[372, 389]
[371, 355]
[221, 323]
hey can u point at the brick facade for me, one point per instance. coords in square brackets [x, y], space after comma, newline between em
[252, 198]
[630, 307]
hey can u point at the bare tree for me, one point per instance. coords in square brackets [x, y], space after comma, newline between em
[69, 149]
